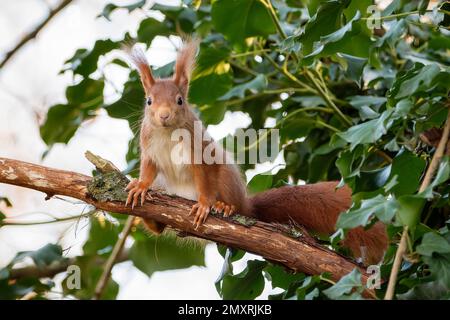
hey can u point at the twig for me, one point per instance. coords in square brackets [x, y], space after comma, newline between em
[103, 281]
[5, 223]
[34, 32]
[425, 183]
[55, 268]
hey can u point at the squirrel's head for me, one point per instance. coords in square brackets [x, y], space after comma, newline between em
[166, 99]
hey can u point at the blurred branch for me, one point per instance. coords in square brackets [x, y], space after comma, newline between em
[103, 281]
[34, 32]
[5, 222]
[55, 268]
[295, 250]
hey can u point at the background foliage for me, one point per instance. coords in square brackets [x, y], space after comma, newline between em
[350, 100]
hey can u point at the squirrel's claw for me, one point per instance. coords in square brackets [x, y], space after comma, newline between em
[222, 207]
[135, 190]
[201, 213]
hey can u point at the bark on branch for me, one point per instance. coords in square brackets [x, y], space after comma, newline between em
[295, 250]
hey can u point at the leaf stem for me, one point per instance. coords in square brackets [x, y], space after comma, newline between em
[327, 98]
[323, 92]
[319, 122]
[274, 17]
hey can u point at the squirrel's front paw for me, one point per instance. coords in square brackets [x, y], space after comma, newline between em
[226, 209]
[135, 189]
[201, 211]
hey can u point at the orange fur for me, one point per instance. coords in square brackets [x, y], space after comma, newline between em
[317, 207]
[221, 186]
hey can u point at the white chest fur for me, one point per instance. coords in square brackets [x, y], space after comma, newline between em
[173, 174]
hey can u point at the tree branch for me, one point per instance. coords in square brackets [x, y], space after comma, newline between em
[34, 32]
[296, 251]
[55, 268]
[113, 258]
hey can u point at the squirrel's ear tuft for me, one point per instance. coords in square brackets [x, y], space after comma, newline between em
[140, 61]
[185, 64]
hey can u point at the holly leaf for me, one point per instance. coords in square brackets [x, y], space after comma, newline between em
[345, 286]
[84, 61]
[159, 253]
[258, 84]
[379, 206]
[369, 131]
[260, 182]
[42, 257]
[249, 18]
[431, 243]
[246, 285]
[110, 7]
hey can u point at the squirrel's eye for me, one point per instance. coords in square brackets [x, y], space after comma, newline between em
[149, 101]
[179, 101]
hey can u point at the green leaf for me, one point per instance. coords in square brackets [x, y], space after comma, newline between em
[383, 208]
[434, 290]
[326, 20]
[409, 210]
[212, 75]
[184, 17]
[354, 66]
[280, 278]
[61, 124]
[91, 270]
[130, 106]
[308, 283]
[442, 175]
[440, 267]
[88, 93]
[432, 242]
[229, 255]
[2, 217]
[333, 42]
[416, 80]
[212, 113]
[246, 285]
[368, 132]
[102, 237]
[166, 252]
[258, 84]
[407, 168]
[14, 290]
[373, 179]
[84, 62]
[42, 257]
[215, 84]
[393, 35]
[110, 7]
[260, 182]
[349, 163]
[240, 19]
[63, 120]
[150, 28]
[345, 285]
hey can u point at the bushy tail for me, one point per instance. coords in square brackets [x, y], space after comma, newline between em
[317, 208]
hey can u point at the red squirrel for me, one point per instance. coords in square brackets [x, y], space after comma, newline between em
[220, 186]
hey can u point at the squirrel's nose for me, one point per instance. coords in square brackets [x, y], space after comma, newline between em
[164, 116]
